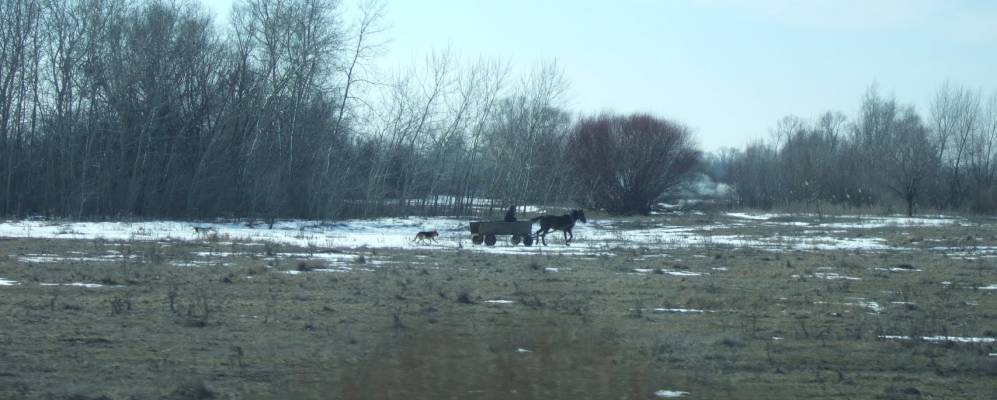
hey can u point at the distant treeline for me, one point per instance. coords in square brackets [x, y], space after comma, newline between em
[886, 155]
[149, 108]
[121, 108]
[117, 108]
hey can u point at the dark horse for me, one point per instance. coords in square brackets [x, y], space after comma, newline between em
[562, 223]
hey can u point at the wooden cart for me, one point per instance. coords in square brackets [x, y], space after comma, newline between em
[487, 231]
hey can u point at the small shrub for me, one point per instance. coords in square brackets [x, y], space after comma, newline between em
[303, 266]
[120, 305]
[270, 249]
[108, 281]
[256, 270]
[731, 342]
[86, 397]
[192, 321]
[192, 391]
[196, 312]
[638, 310]
[214, 238]
[151, 254]
[397, 320]
[464, 298]
[532, 301]
[667, 347]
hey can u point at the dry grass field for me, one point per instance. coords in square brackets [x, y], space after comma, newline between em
[709, 319]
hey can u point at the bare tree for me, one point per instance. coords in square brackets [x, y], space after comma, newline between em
[982, 157]
[19, 61]
[292, 45]
[889, 152]
[365, 44]
[955, 115]
[910, 159]
[895, 149]
[755, 176]
[529, 126]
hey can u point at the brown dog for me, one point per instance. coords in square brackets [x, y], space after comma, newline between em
[426, 235]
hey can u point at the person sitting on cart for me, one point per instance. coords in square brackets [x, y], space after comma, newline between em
[510, 216]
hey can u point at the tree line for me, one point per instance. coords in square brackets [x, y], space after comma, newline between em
[150, 108]
[119, 108]
[887, 156]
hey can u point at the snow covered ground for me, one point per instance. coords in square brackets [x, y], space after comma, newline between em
[594, 238]
[959, 339]
[851, 222]
[670, 393]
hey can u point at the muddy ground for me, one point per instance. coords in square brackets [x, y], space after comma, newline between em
[239, 320]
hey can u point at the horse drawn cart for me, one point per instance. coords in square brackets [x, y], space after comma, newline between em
[486, 231]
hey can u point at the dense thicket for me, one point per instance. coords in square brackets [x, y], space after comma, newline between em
[886, 156]
[147, 108]
[625, 163]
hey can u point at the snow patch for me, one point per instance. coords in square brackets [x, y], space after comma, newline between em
[885, 222]
[340, 269]
[666, 272]
[959, 339]
[51, 258]
[851, 222]
[835, 276]
[828, 276]
[679, 310]
[898, 269]
[754, 217]
[682, 273]
[77, 284]
[871, 305]
[197, 263]
[670, 393]
[220, 254]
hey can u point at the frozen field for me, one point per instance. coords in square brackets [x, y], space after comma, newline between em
[775, 232]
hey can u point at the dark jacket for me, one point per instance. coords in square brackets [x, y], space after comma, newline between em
[510, 216]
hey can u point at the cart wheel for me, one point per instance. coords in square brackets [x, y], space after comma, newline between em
[516, 239]
[490, 240]
[476, 238]
[528, 241]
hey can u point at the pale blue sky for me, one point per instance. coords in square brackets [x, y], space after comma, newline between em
[729, 69]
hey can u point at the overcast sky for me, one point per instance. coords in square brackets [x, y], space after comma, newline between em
[729, 69]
